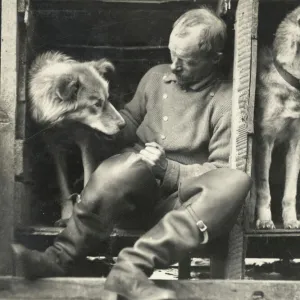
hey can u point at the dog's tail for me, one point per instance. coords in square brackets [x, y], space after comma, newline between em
[47, 58]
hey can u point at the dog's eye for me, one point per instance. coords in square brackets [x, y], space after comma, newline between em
[98, 104]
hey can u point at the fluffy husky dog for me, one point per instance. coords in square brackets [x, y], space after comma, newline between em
[65, 93]
[278, 119]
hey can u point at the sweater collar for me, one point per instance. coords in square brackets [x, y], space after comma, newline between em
[171, 77]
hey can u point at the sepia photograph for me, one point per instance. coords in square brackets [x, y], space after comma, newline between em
[150, 149]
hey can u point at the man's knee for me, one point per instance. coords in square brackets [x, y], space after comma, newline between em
[117, 178]
[221, 182]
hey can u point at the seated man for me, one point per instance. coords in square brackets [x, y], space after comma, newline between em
[175, 158]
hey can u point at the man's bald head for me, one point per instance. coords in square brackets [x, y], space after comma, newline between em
[203, 22]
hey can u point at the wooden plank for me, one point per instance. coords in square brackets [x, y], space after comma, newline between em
[279, 1]
[57, 5]
[249, 208]
[93, 288]
[148, 1]
[117, 25]
[126, 1]
[22, 81]
[118, 49]
[122, 55]
[7, 130]
[249, 211]
[53, 231]
[274, 232]
[235, 263]
[40, 237]
[277, 246]
[264, 244]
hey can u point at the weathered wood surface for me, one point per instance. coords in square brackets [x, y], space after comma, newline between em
[92, 288]
[130, 1]
[7, 130]
[245, 18]
[268, 244]
[112, 25]
[249, 210]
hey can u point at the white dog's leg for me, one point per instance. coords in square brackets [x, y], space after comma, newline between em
[59, 158]
[88, 159]
[61, 169]
[263, 163]
[289, 213]
[66, 202]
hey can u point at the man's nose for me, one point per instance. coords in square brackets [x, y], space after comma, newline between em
[176, 66]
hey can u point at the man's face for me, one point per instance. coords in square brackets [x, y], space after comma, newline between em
[188, 63]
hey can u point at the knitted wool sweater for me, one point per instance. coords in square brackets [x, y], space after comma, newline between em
[193, 126]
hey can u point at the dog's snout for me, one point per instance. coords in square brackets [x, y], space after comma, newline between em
[122, 124]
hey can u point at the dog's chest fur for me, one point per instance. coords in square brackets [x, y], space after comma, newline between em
[278, 107]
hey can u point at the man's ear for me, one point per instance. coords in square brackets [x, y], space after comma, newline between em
[105, 68]
[67, 88]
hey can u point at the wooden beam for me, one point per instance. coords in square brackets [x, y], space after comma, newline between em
[7, 130]
[152, 1]
[92, 288]
[239, 139]
[122, 54]
[249, 210]
[119, 49]
[127, 1]
[92, 4]
[279, 1]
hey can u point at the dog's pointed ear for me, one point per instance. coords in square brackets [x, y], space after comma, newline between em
[105, 68]
[67, 88]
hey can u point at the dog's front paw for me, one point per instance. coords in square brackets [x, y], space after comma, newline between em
[291, 224]
[61, 223]
[265, 224]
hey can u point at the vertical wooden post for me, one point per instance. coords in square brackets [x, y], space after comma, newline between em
[22, 165]
[7, 131]
[243, 86]
[184, 268]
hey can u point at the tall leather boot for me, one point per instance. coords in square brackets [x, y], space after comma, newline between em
[213, 200]
[115, 189]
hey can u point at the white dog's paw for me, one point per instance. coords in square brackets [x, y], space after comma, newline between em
[265, 224]
[291, 224]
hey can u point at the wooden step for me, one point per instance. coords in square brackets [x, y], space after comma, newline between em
[272, 233]
[278, 243]
[40, 237]
[92, 288]
[254, 233]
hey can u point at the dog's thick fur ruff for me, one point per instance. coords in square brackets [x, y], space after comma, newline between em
[64, 94]
[278, 121]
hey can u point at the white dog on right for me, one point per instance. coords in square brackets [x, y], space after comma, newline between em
[278, 119]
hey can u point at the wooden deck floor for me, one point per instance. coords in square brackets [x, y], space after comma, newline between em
[92, 288]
